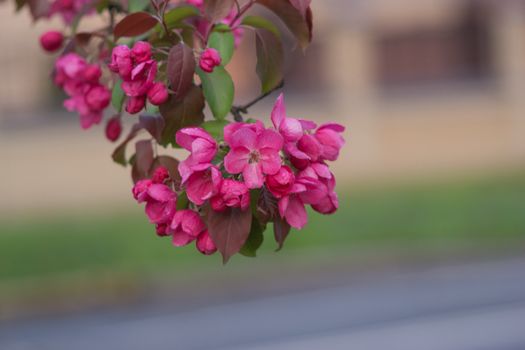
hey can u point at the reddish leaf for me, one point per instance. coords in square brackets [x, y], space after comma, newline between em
[38, 8]
[301, 5]
[83, 38]
[218, 9]
[229, 230]
[300, 25]
[180, 113]
[181, 67]
[143, 160]
[134, 24]
[154, 124]
[281, 229]
[119, 154]
[270, 58]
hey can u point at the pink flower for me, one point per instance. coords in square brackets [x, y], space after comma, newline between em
[232, 194]
[98, 97]
[327, 201]
[185, 227]
[161, 203]
[69, 9]
[141, 80]
[140, 190]
[92, 73]
[113, 129]
[210, 58]
[202, 185]
[135, 104]
[203, 149]
[160, 175]
[305, 190]
[205, 245]
[121, 61]
[141, 51]
[281, 183]
[51, 41]
[254, 155]
[158, 94]
[328, 136]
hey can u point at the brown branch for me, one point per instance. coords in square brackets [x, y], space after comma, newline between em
[237, 111]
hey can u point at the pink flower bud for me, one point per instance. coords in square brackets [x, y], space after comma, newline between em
[160, 174]
[281, 183]
[158, 94]
[162, 230]
[121, 61]
[98, 97]
[51, 41]
[135, 104]
[210, 58]
[140, 190]
[205, 245]
[141, 51]
[92, 73]
[113, 129]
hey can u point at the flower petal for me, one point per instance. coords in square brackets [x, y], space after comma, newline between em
[253, 176]
[236, 160]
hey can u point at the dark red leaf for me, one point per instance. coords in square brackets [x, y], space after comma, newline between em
[300, 25]
[180, 113]
[143, 160]
[119, 154]
[281, 229]
[181, 67]
[229, 230]
[134, 24]
[270, 58]
[218, 9]
[38, 8]
[301, 5]
[83, 38]
[154, 124]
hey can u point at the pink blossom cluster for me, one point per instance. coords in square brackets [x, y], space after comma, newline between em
[288, 160]
[69, 9]
[138, 72]
[184, 226]
[81, 82]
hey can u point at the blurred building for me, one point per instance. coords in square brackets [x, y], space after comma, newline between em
[423, 85]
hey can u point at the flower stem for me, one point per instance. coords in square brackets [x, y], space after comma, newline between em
[237, 111]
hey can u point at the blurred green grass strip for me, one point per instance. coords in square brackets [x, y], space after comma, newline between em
[463, 216]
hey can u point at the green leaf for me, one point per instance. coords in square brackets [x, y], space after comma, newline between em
[215, 128]
[270, 59]
[137, 5]
[224, 42]
[173, 17]
[254, 241]
[259, 22]
[117, 96]
[218, 90]
[182, 201]
[180, 113]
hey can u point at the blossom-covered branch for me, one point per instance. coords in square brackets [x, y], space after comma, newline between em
[161, 63]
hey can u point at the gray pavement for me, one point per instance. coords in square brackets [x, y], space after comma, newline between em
[477, 306]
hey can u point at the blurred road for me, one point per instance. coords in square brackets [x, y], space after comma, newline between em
[473, 306]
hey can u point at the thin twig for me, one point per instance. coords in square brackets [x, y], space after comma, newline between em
[237, 111]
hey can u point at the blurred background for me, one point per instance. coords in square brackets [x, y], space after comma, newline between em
[426, 251]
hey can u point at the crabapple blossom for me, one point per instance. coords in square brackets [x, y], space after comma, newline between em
[203, 149]
[69, 9]
[203, 184]
[232, 194]
[113, 129]
[51, 41]
[158, 94]
[254, 154]
[210, 58]
[185, 227]
[205, 244]
[281, 183]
